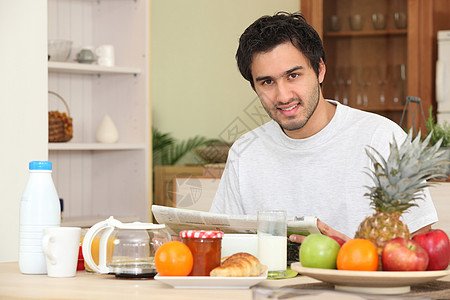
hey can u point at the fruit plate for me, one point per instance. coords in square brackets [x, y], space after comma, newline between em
[379, 282]
[206, 282]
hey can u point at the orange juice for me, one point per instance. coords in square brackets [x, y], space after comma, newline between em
[95, 250]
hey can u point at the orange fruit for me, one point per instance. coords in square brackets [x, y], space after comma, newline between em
[358, 255]
[173, 259]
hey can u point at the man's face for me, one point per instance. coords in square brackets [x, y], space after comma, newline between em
[287, 85]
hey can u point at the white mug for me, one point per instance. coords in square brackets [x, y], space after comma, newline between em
[61, 246]
[105, 54]
[105, 61]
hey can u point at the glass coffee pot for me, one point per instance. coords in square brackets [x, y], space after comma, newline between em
[133, 247]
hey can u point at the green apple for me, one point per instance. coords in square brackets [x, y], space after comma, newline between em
[319, 251]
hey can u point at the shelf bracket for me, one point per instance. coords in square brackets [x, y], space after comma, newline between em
[418, 101]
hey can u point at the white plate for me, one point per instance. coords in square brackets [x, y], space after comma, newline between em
[207, 282]
[378, 282]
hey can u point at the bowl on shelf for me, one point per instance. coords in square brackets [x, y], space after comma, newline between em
[59, 50]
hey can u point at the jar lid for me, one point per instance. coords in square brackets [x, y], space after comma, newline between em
[201, 234]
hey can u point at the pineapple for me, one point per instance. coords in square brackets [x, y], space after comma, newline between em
[398, 184]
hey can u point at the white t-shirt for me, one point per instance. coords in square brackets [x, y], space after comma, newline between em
[324, 175]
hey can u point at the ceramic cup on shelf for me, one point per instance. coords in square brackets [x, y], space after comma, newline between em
[356, 22]
[379, 21]
[400, 20]
[335, 23]
[105, 55]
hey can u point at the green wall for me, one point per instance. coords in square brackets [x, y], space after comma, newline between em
[196, 88]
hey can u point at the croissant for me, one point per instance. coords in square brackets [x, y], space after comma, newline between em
[239, 265]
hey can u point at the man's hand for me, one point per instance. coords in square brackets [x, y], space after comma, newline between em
[324, 229]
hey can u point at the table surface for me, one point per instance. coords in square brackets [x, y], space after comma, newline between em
[15, 285]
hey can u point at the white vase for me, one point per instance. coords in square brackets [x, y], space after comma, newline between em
[107, 131]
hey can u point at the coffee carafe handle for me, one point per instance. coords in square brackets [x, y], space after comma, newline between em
[109, 226]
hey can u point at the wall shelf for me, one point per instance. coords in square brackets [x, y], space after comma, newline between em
[77, 68]
[381, 108]
[94, 146]
[367, 33]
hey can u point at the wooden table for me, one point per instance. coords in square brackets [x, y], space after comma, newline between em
[15, 285]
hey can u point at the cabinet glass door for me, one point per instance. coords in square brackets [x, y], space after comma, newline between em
[366, 46]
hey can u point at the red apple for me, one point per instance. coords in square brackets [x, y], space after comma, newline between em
[436, 244]
[402, 254]
[338, 239]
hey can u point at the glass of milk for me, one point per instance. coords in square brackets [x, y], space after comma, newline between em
[272, 241]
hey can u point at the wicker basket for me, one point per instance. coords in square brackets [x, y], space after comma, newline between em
[214, 152]
[59, 123]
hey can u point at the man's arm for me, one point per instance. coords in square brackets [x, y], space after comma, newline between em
[328, 231]
[324, 229]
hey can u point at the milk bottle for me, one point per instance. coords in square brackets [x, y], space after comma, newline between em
[39, 209]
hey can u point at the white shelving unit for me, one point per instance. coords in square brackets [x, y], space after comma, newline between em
[94, 146]
[76, 68]
[100, 180]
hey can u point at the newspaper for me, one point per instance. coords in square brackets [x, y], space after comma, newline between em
[178, 219]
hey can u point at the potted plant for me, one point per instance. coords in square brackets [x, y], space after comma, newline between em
[439, 130]
[167, 151]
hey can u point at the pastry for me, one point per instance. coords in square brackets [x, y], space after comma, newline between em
[239, 265]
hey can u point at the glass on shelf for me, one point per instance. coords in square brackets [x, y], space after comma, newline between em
[367, 83]
[400, 20]
[341, 83]
[335, 23]
[356, 22]
[358, 70]
[335, 82]
[399, 81]
[379, 21]
[382, 81]
[346, 82]
[363, 80]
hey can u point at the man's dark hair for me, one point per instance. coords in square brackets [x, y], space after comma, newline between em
[270, 31]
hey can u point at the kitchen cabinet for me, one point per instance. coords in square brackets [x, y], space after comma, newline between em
[97, 180]
[363, 63]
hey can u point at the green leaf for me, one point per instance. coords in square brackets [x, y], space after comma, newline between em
[167, 151]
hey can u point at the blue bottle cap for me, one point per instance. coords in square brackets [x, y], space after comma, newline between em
[40, 165]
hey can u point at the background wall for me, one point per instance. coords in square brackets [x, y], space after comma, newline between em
[23, 108]
[196, 86]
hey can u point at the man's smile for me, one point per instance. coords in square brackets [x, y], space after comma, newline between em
[289, 109]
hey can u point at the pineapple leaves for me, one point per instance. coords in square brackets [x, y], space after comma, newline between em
[400, 178]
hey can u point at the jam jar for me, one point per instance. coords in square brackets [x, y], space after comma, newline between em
[206, 248]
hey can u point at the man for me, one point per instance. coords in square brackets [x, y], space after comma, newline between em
[310, 159]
